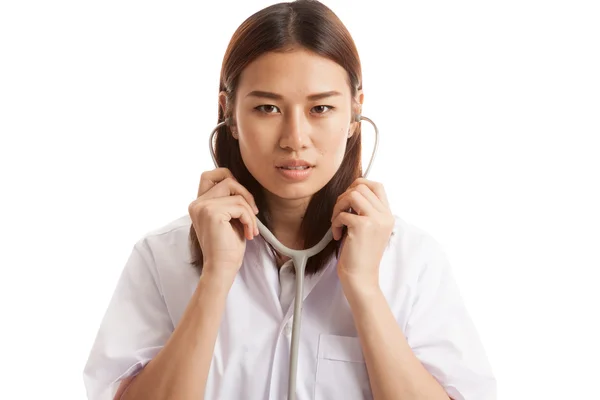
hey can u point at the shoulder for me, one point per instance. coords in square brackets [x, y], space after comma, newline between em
[410, 251]
[172, 233]
[415, 272]
[165, 248]
[427, 302]
[413, 242]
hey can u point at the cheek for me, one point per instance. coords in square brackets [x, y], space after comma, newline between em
[256, 148]
[257, 134]
[252, 151]
[334, 147]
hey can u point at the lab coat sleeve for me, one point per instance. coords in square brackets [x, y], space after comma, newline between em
[135, 327]
[441, 333]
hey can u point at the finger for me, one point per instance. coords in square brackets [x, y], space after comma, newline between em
[208, 179]
[231, 187]
[371, 197]
[376, 188]
[241, 201]
[355, 200]
[343, 219]
[236, 207]
[367, 193]
[254, 226]
[245, 216]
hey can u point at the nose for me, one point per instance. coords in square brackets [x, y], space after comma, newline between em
[295, 132]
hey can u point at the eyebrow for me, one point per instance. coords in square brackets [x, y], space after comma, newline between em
[275, 96]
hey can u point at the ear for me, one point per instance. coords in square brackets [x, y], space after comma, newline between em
[357, 103]
[223, 102]
[223, 105]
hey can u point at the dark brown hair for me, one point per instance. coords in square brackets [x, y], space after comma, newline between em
[283, 27]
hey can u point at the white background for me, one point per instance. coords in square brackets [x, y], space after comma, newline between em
[490, 120]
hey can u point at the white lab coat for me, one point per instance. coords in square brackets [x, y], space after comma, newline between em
[251, 353]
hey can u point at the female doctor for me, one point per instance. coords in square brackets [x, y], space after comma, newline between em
[204, 305]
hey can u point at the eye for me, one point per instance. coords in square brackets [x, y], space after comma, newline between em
[265, 107]
[320, 109]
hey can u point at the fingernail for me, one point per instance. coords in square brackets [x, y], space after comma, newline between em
[255, 210]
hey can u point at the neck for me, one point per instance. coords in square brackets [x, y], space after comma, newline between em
[286, 218]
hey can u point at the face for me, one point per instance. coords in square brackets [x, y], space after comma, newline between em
[293, 117]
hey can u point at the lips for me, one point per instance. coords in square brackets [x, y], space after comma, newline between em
[294, 173]
[294, 165]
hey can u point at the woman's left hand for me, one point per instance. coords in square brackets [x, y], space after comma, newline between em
[368, 233]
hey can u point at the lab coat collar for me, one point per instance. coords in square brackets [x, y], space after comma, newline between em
[260, 259]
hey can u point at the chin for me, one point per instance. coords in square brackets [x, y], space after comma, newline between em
[293, 191]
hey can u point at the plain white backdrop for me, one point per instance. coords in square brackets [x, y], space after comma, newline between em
[489, 114]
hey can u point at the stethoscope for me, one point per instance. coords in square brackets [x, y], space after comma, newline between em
[299, 257]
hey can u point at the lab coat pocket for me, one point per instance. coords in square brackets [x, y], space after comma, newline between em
[341, 369]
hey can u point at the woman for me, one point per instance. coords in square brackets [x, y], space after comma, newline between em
[204, 305]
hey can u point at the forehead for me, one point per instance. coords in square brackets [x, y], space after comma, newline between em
[294, 73]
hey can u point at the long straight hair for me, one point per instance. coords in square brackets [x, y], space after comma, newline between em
[281, 27]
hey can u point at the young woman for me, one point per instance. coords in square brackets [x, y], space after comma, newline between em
[204, 305]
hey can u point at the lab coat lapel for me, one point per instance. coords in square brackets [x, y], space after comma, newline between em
[261, 272]
[266, 276]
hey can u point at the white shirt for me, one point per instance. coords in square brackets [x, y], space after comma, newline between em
[251, 353]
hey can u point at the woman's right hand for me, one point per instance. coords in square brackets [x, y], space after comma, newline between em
[223, 216]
